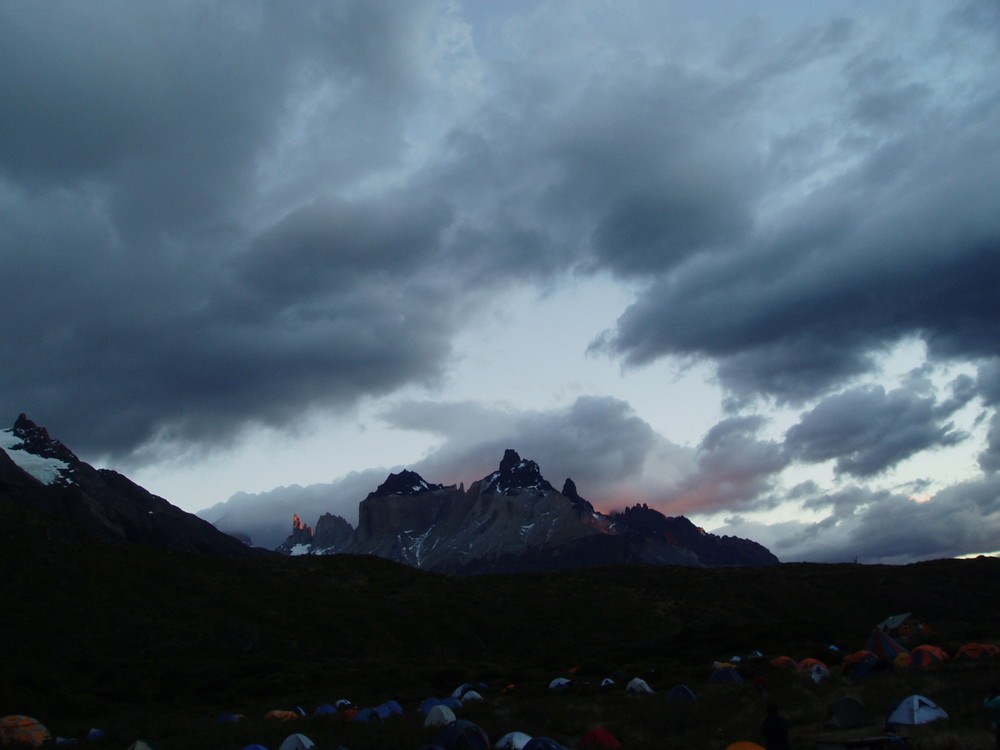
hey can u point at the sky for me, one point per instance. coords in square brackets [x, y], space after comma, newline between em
[738, 261]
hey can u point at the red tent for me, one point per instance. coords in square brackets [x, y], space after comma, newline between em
[599, 738]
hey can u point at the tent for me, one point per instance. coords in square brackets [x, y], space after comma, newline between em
[915, 709]
[342, 704]
[427, 704]
[147, 745]
[366, 714]
[560, 684]
[883, 645]
[726, 674]
[927, 656]
[280, 714]
[681, 693]
[638, 685]
[543, 743]
[452, 702]
[439, 716]
[297, 742]
[389, 708]
[514, 741]
[600, 739]
[326, 709]
[24, 730]
[977, 651]
[808, 664]
[857, 657]
[473, 696]
[462, 689]
[230, 718]
[463, 735]
[248, 747]
[784, 661]
[848, 712]
[607, 682]
[94, 735]
[744, 746]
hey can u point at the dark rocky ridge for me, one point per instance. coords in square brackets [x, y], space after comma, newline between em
[106, 504]
[513, 520]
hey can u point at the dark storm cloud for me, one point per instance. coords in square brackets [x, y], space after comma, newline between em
[868, 430]
[160, 167]
[901, 238]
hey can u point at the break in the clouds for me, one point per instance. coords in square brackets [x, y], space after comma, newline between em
[227, 217]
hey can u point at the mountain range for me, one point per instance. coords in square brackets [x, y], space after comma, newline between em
[512, 521]
[39, 471]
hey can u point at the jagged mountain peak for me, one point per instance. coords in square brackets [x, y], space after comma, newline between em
[39, 471]
[569, 490]
[36, 453]
[405, 482]
[514, 476]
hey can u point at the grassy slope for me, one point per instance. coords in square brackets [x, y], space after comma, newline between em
[142, 641]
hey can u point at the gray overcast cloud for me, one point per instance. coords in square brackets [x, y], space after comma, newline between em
[222, 218]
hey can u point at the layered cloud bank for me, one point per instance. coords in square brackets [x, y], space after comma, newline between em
[219, 220]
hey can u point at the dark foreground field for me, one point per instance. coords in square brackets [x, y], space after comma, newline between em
[145, 643]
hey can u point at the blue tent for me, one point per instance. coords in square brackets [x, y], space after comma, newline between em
[427, 704]
[387, 709]
[726, 674]
[463, 735]
[452, 702]
[542, 743]
[681, 693]
[366, 714]
[326, 709]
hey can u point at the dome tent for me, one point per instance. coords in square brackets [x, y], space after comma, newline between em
[297, 742]
[514, 740]
[439, 716]
[22, 729]
[915, 709]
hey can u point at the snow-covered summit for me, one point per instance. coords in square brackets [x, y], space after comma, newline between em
[31, 448]
[514, 476]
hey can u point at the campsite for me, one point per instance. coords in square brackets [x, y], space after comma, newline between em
[143, 644]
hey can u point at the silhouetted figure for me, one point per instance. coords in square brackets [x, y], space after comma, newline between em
[992, 704]
[775, 729]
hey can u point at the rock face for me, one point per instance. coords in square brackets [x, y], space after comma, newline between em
[512, 521]
[41, 472]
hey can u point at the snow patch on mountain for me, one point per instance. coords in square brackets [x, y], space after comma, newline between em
[45, 470]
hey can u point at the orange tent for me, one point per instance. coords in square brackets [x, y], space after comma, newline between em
[977, 651]
[744, 746]
[23, 730]
[810, 663]
[927, 655]
[280, 715]
[858, 656]
[784, 661]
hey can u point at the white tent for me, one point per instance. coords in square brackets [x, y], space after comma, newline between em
[916, 709]
[638, 685]
[439, 716]
[297, 742]
[818, 673]
[472, 697]
[560, 684]
[513, 740]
